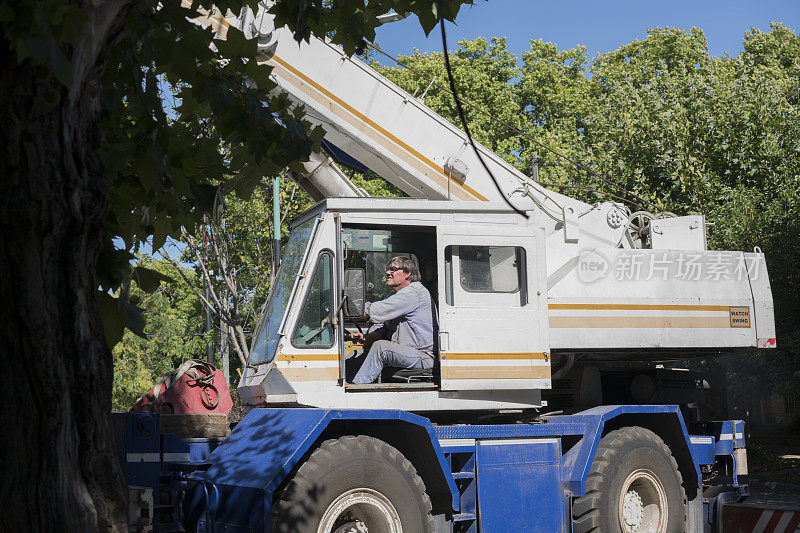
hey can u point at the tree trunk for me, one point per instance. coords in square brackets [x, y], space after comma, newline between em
[58, 468]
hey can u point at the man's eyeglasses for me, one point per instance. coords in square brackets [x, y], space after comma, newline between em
[393, 268]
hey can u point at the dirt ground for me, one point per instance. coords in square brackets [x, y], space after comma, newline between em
[774, 466]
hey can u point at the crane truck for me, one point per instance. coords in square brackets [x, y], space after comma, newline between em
[524, 423]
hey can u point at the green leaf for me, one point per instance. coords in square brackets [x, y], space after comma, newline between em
[147, 170]
[235, 45]
[113, 321]
[111, 265]
[147, 279]
[428, 19]
[6, 13]
[61, 66]
[70, 25]
[132, 316]
[161, 230]
[204, 196]
[260, 75]
[39, 48]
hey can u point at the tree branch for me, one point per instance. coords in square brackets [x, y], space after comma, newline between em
[191, 286]
[289, 203]
[239, 343]
[221, 311]
[222, 265]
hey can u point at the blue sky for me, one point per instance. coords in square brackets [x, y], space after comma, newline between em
[601, 26]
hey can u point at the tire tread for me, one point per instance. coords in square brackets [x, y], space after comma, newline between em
[586, 515]
[292, 503]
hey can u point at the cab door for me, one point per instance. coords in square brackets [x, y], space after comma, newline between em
[492, 318]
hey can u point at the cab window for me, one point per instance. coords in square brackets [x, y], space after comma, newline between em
[477, 275]
[266, 337]
[373, 248]
[491, 268]
[374, 265]
[315, 325]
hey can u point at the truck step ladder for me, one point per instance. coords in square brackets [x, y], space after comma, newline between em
[460, 455]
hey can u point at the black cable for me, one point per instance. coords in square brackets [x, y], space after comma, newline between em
[464, 120]
[644, 151]
[581, 187]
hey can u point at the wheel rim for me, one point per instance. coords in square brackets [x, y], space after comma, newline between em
[643, 504]
[360, 511]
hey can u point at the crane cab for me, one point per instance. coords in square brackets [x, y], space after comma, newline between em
[484, 268]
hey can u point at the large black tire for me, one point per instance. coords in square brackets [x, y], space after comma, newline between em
[634, 486]
[354, 478]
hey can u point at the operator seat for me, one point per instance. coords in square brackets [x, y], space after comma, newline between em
[413, 375]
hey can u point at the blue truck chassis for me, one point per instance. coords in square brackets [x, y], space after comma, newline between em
[478, 477]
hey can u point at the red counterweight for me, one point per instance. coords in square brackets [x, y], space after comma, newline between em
[196, 387]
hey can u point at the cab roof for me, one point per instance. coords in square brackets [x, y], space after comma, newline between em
[417, 211]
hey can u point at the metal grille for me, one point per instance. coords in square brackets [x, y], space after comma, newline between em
[680, 383]
[561, 397]
[791, 404]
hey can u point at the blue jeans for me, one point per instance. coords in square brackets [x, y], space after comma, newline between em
[386, 353]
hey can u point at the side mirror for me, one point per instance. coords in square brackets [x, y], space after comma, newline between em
[354, 292]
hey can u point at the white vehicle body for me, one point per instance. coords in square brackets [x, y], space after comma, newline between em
[588, 287]
[495, 348]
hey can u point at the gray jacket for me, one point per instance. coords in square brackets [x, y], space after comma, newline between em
[407, 317]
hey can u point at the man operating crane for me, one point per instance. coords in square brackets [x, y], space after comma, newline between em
[403, 324]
